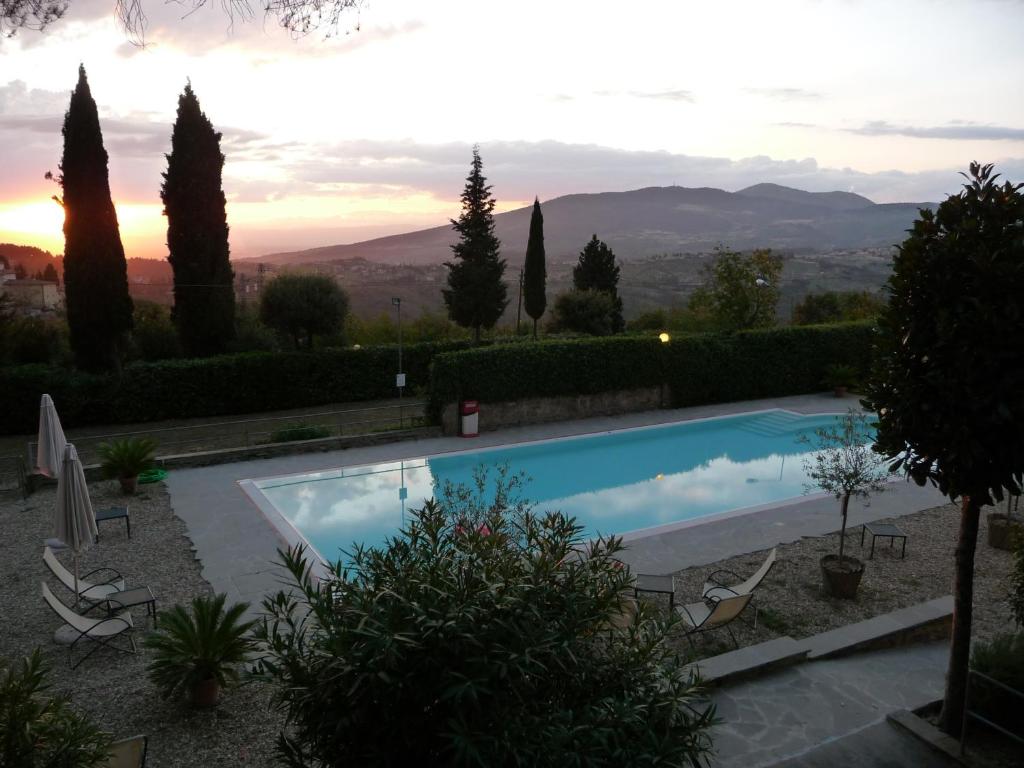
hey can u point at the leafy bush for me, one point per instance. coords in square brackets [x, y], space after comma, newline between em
[128, 457]
[37, 730]
[154, 336]
[593, 312]
[213, 386]
[478, 641]
[1001, 659]
[299, 431]
[699, 368]
[251, 335]
[837, 306]
[27, 340]
[192, 647]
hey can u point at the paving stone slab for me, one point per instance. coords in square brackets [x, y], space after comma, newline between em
[754, 659]
[907, 623]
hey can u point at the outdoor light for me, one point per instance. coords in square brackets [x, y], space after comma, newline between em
[665, 338]
[356, 346]
[761, 282]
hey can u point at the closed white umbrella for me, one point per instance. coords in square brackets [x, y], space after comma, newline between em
[51, 441]
[74, 521]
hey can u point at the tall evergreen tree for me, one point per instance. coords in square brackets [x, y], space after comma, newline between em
[534, 270]
[95, 273]
[197, 233]
[597, 271]
[475, 295]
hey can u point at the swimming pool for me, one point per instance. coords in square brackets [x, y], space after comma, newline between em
[632, 481]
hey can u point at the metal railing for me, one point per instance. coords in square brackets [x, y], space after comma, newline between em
[968, 714]
[262, 430]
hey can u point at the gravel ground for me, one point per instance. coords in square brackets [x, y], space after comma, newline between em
[791, 602]
[113, 687]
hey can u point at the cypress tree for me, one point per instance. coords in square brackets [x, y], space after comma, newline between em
[197, 233]
[597, 271]
[534, 269]
[475, 296]
[99, 308]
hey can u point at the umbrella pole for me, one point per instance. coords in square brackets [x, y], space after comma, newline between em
[76, 580]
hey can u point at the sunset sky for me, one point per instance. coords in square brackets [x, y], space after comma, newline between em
[369, 132]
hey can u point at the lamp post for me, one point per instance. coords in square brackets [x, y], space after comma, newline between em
[664, 338]
[400, 378]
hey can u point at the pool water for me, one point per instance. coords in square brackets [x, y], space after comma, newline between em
[613, 483]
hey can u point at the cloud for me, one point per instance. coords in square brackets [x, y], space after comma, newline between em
[667, 95]
[786, 94]
[957, 130]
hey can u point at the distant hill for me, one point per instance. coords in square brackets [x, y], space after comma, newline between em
[658, 220]
[30, 258]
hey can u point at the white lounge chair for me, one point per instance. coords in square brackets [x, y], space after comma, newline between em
[101, 631]
[716, 589]
[92, 593]
[128, 753]
[706, 616]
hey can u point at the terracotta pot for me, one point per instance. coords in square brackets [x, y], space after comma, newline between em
[1002, 530]
[205, 693]
[841, 580]
[129, 484]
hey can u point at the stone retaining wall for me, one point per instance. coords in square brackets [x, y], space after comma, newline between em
[538, 410]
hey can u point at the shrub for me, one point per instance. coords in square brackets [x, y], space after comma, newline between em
[301, 307]
[299, 431]
[593, 312]
[128, 457]
[1001, 659]
[154, 336]
[484, 643]
[28, 340]
[213, 386]
[37, 730]
[699, 368]
[192, 648]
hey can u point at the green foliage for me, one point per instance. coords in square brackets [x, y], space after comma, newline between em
[845, 464]
[154, 336]
[27, 340]
[481, 634]
[596, 270]
[837, 306]
[947, 388]
[382, 329]
[192, 646]
[534, 269]
[1001, 659]
[299, 431]
[251, 335]
[591, 312]
[1016, 597]
[127, 457]
[303, 306]
[213, 386]
[95, 272]
[41, 731]
[652, 320]
[840, 375]
[740, 291]
[197, 233]
[476, 296]
[699, 368]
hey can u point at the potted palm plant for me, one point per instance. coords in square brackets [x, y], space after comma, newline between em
[200, 651]
[840, 378]
[845, 465]
[125, 459]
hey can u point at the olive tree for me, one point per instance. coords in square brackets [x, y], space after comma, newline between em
[301, 307]
[947, 383]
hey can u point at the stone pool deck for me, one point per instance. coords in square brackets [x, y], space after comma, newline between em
[236, 544]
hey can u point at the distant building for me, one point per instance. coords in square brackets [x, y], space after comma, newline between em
[33, 294]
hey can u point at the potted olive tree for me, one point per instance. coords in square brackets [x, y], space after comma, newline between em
[845, 465]
[199, 651]
[125, 459]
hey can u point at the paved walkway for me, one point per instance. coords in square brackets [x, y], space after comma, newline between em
[821, 713]
[237, 545]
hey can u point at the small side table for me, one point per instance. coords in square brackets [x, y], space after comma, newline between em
[129, 598]
[662, 585]
[885, 530]
[113, 513]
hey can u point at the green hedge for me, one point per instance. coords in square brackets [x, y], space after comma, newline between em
[700, 368]
[215, 386]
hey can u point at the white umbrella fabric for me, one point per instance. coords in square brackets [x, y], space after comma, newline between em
[74, 520]
[51, 441]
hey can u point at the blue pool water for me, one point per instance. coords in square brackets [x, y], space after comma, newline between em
[615, 482]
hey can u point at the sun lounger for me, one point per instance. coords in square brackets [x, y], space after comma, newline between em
[102, 632]
[716, 589]
[128, 753]
[92, 593]
[706, 616]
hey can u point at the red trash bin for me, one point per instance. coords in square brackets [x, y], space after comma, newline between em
[469, 416]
